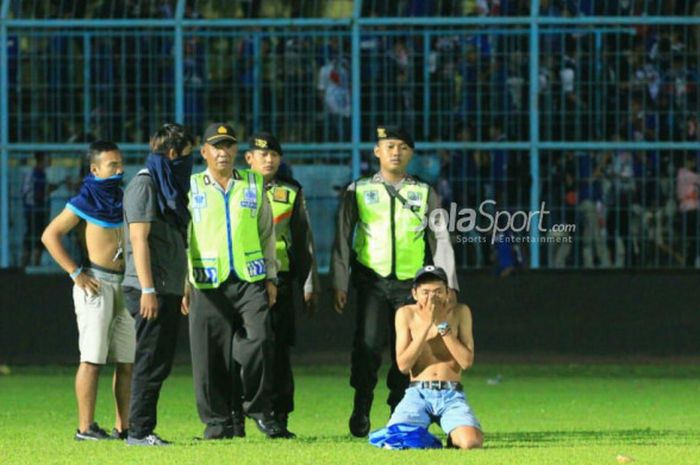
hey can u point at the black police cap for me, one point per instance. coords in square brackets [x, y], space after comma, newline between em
[217, 132]
[265, 141]
[394, 132]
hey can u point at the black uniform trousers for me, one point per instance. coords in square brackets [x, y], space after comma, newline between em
[217, 348]
[155, 349]
[283, 330]
[378, 299]
[282, 317]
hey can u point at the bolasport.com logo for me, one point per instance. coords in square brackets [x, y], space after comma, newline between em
[487, 223]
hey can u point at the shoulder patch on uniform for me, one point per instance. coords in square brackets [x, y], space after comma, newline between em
[280, 194]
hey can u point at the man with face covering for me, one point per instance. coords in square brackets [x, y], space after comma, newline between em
[233, 276]
[156, 217]
[105, 328]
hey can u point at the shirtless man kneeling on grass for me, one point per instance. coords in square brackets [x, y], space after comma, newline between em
[434, 343]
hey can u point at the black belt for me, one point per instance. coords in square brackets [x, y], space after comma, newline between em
[102, 269]
[440, 385]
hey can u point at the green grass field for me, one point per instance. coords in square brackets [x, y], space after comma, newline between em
[537, 414]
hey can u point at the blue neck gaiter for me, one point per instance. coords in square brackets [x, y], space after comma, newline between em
[172, 179]
[99, 201]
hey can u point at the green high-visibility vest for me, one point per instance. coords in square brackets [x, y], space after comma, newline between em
[389, 238]
[282, 197]
[223, 233]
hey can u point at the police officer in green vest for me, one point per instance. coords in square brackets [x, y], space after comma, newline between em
[297, 275]
[382, 235]
[232, 273]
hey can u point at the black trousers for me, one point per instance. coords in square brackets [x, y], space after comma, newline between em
[155, 349]
[282, 317]
[377, 301]
[217, 349]
[283, 330]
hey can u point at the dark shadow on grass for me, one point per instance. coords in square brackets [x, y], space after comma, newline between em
[257, 439]
[331, 439]
[641, 437]
[506, 440]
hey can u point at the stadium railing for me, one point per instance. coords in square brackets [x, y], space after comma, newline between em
[589, 107]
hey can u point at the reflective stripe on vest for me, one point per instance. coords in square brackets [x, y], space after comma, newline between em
[282, 198]
[389, 238]
[223, 233]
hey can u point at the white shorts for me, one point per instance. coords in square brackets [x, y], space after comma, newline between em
[106, 329]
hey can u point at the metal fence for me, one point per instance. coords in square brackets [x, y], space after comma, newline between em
[589, 107]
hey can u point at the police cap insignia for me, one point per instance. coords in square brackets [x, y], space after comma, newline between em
[394, 132]
[218, 132]
[265, 141]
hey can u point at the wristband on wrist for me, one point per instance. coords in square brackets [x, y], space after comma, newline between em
[148, 290]
[443, 328]
[75, 273]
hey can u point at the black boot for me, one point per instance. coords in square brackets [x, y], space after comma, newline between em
[268, 425]
[238, 420]
[283, 419]
[359, 420]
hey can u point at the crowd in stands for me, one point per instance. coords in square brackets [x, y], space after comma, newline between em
[624, 83]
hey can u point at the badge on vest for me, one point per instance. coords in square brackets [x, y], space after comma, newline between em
[199, 201]
[249, 199]
[205, 275]
[256, 267]
[280, 195]
[371, 197]
[414, 201]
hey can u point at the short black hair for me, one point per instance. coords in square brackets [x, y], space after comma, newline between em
[171, 136]
[97, 147]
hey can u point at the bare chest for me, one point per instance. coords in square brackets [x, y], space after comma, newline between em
[104, 245]
[435, 348]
